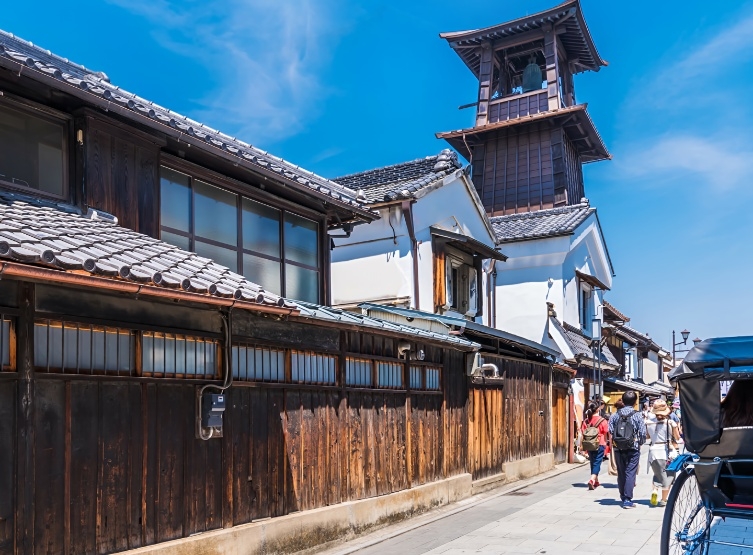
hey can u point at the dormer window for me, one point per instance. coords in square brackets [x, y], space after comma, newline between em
[461, 286]
[32, 150]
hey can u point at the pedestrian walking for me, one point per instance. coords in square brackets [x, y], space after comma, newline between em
[595, 431]
[663, 434]
[618, 405]
[628, 430]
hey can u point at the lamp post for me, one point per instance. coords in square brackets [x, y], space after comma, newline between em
[685, 334]
[596, 346]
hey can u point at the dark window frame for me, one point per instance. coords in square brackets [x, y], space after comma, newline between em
[52, 116]
[195, 174]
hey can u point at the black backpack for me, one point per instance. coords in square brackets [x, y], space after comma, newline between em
[624, 432]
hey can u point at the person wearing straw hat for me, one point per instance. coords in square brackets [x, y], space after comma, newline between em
[663, 435]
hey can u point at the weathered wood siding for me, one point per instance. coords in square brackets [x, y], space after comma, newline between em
[522, 170]
[560, 425]
[518, 106]
[100, 464]
[122, 175]
[509, 423]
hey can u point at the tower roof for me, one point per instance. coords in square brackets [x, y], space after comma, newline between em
[574, 120]
[575, 38]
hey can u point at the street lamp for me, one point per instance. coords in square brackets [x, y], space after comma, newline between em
[685, 334]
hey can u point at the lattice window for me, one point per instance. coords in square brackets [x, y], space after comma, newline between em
[390, 375]
[313, 368]
[258, 364]
[76, 348]
[426, 378]
[359, 372]
[179, 356]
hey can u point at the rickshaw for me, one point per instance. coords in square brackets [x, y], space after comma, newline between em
[714, 478]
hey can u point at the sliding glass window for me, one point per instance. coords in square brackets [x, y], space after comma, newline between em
[277, 249]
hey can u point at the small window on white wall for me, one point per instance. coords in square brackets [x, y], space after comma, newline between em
[586, 306]
[461, 281]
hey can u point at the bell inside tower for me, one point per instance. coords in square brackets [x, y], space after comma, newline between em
[532, 77]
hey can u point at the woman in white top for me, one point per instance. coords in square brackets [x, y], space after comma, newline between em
[663, 434]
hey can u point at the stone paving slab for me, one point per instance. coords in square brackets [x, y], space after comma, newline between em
[556, 516]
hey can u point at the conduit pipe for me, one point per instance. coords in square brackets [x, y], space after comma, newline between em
[67, 278]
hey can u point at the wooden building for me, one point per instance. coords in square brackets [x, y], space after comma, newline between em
[530, 136]
[147, 261]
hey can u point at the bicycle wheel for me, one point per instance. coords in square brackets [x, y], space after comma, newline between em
[687, 523]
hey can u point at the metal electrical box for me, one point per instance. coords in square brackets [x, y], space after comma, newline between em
[212, 408]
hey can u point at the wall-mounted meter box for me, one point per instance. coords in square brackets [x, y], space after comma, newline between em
[212, 409]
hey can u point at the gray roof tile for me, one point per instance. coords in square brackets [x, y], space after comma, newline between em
[74, 242]
[581, 345]
[540, 224]
[35, 59]
[401, 180]
[58, 236]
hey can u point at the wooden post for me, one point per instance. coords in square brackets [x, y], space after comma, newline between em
[25, 466]
[550, 54]
[484, 84]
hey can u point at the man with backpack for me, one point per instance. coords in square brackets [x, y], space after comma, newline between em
[628, 430]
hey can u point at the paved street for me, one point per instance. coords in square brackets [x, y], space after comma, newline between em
[556, 516]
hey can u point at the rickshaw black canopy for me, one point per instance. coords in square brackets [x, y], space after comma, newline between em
[698, 377]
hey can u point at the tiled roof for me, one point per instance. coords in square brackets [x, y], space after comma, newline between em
[552, 222]
[401, 180]
[309, 310]
[581, 345]
[608, 307]
[43, 65]
[58, 236]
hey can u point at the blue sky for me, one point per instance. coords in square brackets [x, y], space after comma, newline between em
[338, 87]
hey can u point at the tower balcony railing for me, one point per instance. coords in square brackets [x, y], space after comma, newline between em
[518, 106]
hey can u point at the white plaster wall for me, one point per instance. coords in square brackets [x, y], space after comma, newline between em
[375, 262]
[651, 368]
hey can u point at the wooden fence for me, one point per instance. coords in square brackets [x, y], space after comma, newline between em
[102, 463]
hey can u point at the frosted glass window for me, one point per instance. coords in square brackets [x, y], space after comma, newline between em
[80, 348]
[173, 355]
[31, 151]
[258, 364]
[390, 374]
[176, 240]
[262, 271]
[221, 255]
[175, 200]
[215, 214]
[261, 228]
[425, 378]
[416, 377]
[301, 284]
[358, 372]
[301, 240]
[314, 368]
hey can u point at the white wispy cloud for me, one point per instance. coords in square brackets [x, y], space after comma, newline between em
[266, 57]
[700, 98]
[722, 163]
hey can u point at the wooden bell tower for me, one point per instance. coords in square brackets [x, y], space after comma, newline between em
[530, 136]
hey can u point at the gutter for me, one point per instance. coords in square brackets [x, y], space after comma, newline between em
[57, 276]
[407, 207]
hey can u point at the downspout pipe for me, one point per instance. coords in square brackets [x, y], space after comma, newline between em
[407, 207]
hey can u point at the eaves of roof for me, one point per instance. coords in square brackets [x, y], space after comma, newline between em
[50, 242]
[617, 314]
[577, 38]
[576, 121]
[540, 224]
[463, 324]
[465, 242]
[27, 59]
[580, 345]
[636, 386]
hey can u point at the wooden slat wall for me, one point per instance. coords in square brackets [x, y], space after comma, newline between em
[518, 106]
[560, 430]
[122, 176]
[512, 422]
[116, 465]
[513, 171]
